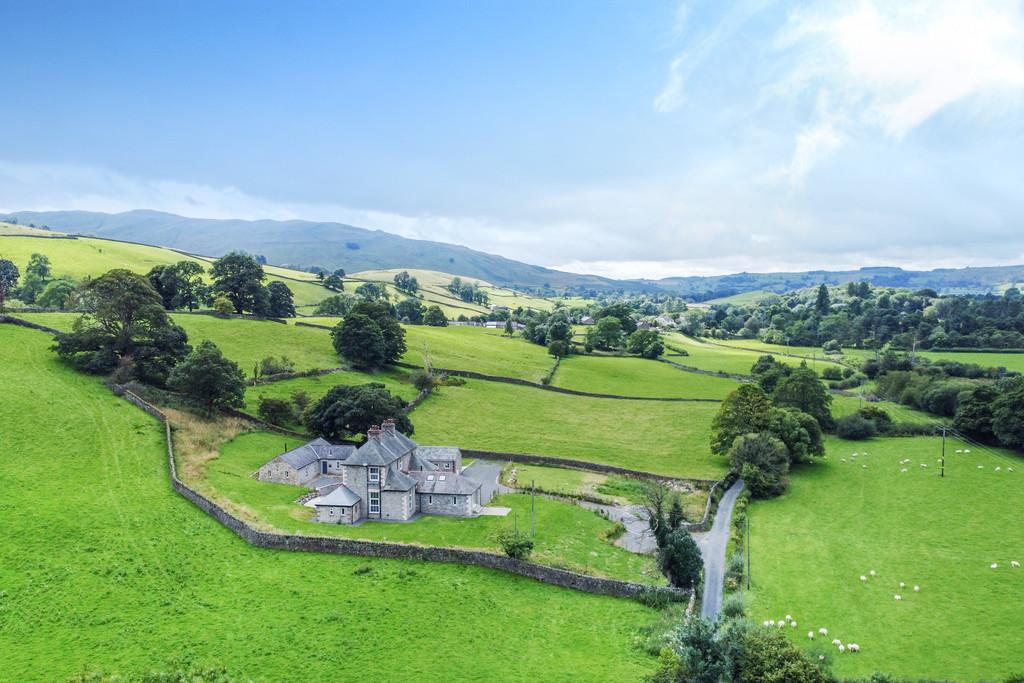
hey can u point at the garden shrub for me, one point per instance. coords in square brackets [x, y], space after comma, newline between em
[516, 544]
[855, 428]
[733, 606]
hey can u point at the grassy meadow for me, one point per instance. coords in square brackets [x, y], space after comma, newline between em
[840, 520]
[568, 536]
[396, 381]
[97, 549]
[626, 376]
[477, 349]
[705, 356]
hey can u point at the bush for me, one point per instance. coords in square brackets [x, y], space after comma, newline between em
[875, 414]
[832, 372]
[275, 411]
[516, 544]
[855, 428]
[680, 560]
[424, 380]
[763, 462]
[223, 305]
[733, 607]
[276, 366]
[300, 399]
[558, 348]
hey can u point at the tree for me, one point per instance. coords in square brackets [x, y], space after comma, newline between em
[334, 283]
[768, 372]
[406, 283]
[698, 656]
[223, 305]
[762, 462]
[435, 317]
[509, 328]
[606, 334]
[761, 655]
[165, 281]
[800, 433]
[804, 391]
[371, 291]
[191, 288]
[58, 294]
[347, 410]
[516, 544]
[240, 278]
[359, 340]
[339, 304]
[275, 411]
[559, 329]
[281, 303]
[1008, 414]
[645, 343]
[8, 280]
[410, 310]
[394, 334]
[558, 349]
[974, 412]
[823, 304]
[745, 410]
[124, 305]
[209, 378]
[622, 312]
[855, 427]
[680, 559]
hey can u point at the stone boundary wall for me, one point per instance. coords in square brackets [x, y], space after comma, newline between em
[344, 546]
[280, 376]
[700, 371]
[242, 415]
[299, 323]
[11, 320]
[469, 374]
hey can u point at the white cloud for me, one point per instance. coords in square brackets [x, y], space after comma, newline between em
[891, 66]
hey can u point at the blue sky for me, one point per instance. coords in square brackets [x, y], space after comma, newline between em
[624, 138]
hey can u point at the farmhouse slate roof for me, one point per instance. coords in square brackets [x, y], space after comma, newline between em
[396, 480]
[444, 483]
[438, 452]
[317, 449]
[418, 463]
[374, 453]
[342, 496]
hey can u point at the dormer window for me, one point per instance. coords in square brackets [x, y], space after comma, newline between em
[375, 475]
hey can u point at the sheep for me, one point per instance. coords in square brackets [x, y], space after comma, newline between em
[959, 450]
[853, 647]
[782, 624]
[994, 565]
[917, 589]
[902, 585]
[872, 572]
[810, 635]
[898, 597]
[842, 648]
[836, 641]
[967, 450]
[789, 617]
[765, 623]
[998, 469]
[923, 465]
[864, 466]
[793, 624]
[842, 459]
[863, 578]
[770, 622]
[823, 631]
[1009, 469]
[981, 467]
[904, 469]
[1015, 564]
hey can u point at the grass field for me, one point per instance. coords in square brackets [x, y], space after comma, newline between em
[87, 256]
[1010, 361]
[433, 288]
[568, 536]
[840, 521]
[246, 342]
[661, 437]
[396, 381]
[97, 549]
[705, 356]
[745, 299]
[477, 349]
[625, 376]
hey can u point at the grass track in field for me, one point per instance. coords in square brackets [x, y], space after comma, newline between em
[567, 535]
[661, 437]
[638, 377]
[97, 549]
[839, 521]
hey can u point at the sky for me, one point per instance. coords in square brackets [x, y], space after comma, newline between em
[627, 139]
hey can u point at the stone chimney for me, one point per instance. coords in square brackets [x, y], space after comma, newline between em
[389, 426]
[373, 432]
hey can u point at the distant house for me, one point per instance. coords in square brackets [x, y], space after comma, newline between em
[643, 325]
[587, 320]
[389, 477]
[495, 308]
[665, 321]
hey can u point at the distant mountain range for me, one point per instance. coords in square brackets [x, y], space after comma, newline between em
[304, 244]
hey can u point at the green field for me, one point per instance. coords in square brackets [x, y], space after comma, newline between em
[568, 536]
[396, 381]
[662, 437]
[705, 356]
[244, 341]
[477, 349]
[97, 549]
[839, 521]
[87, 256]
[433, 289]
[1010, 361]
[625, 376]
[744, 299]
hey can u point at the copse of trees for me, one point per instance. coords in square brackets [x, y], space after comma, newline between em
[369, 336]
[406, 283]
[645, 343]
[180, 285]
[240, 278]
[410, 311]
[38, 274]
[468, 292]
[210, 379]
[339, 304]
[346, 411]
[9, 276]
[126, 329]
[435, 317]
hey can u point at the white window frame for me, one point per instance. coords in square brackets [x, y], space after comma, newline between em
[374, 475]
[371, 502]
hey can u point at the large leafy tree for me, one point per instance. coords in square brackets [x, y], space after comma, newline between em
[240, 277]
[410, 310]
[8, 280]
[1008, 414]
[281, 304]
[339, 304]
[623, 313]
[804, 391]
[345, 411]
[762, 461]
[745, 410]
[359, 340]
[606, 334]
[406, 282]
[191, 288]
[435, 317]
[974, 412]
[798, 431]
[384, 315]
[58, 294]
[680, 560]
[645, 343]
[37, 274]
[125, 327]
[209, 378]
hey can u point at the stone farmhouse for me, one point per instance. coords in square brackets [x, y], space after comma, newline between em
[389, 477]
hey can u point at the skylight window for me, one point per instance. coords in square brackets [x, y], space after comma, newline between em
[430, 477]
[441, 478]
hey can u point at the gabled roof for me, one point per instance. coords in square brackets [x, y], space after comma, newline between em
[418, 463]
[317, 449]
[341, 496]
[438, 452]
[373, 453]
[445, 483]
[395, 480]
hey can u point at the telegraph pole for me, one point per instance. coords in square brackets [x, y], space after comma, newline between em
[533, 526]
[943, 473]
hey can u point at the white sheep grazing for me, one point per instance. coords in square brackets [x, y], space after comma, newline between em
[959, 450]
[842, 459]
[789, 617]
[863, 578]
[898, 597]
[1015, 564]
[903, 470]
[793, 624]
[872, 572]
[981, 467]
[853, 647]
[902, 585]
[823, 631]
[842, 648]
[770, 622]
[994, 565]
[810, 635]
[765, 623]
[1009, 469]
[782, 624]
[998, 469]
[917, 589]
[923, 465]
[967, 450]
[864, 466]
[836, 641]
